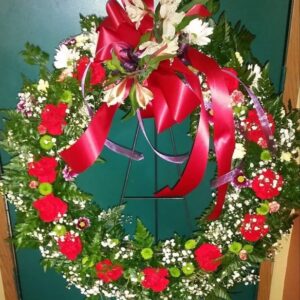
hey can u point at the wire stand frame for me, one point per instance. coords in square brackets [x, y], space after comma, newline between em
[156, 200]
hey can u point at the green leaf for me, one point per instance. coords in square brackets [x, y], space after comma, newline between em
[134, 104]
[145, 38]
[142, 237]
[222, 293]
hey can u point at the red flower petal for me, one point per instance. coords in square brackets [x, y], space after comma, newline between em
[53, 118]
[207, 257]
[267, 185]
[44, 169]
[253, 128]
[49, 208]
[254, 227]
[155, 279]
[70, 246]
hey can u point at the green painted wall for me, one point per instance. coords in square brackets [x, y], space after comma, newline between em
[46, 23]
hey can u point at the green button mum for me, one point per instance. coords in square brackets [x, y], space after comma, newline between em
[248, 248]
[190, 244]
[175, 272]
[147, 253]
[66, 97]
[265, 155]
[60, 230]
[235, 247]
[188, 269]
[45, 188]
[263, 209]
[46, 142]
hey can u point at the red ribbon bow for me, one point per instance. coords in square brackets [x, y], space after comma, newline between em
[169, 106]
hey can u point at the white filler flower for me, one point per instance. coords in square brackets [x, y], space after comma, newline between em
[239, 151]
[198, 32]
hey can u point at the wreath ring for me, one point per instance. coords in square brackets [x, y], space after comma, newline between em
[88, 245]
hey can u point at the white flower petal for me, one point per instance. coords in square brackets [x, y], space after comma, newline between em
[198, 32]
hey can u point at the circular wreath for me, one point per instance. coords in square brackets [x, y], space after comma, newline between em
[88, 245]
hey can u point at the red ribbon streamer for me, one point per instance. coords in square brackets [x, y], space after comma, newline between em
[169, 106]
[87, 148]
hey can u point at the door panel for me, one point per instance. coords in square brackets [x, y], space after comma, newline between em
[46, 23]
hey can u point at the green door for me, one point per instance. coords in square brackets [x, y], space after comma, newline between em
[46, 23]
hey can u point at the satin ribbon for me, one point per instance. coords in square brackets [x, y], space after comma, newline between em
[224, 133]
[266, 128]
[170, 106]
[178, 159]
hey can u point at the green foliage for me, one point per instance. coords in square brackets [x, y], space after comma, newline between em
[104, 236]
[69, 192]
[23, 231]
[142, 237]
[226, 40]
[87, 22]
[33, 55]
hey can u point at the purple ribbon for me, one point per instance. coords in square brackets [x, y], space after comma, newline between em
[179, 159]
[262, 116]
[226, 178]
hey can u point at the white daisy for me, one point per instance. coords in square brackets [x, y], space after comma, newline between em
[198, 32]
[65, 58]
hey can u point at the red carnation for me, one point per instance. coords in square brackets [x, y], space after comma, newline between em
[155, 279]
[254, 227]
[53, 118]
[70, 245]
[208, 257]
[50, 208]
[231, 81]
[81, 66]
[254, 132]
[267, 184]
[43, 169]
[97, 70]
[107, 271]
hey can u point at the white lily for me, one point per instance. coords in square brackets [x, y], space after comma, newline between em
[170, 17]
[116, 94]
[143, 95]
[164, 48]
[198, 32]
[136, 11]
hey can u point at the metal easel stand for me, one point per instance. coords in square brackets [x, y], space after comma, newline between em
[156, 200]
